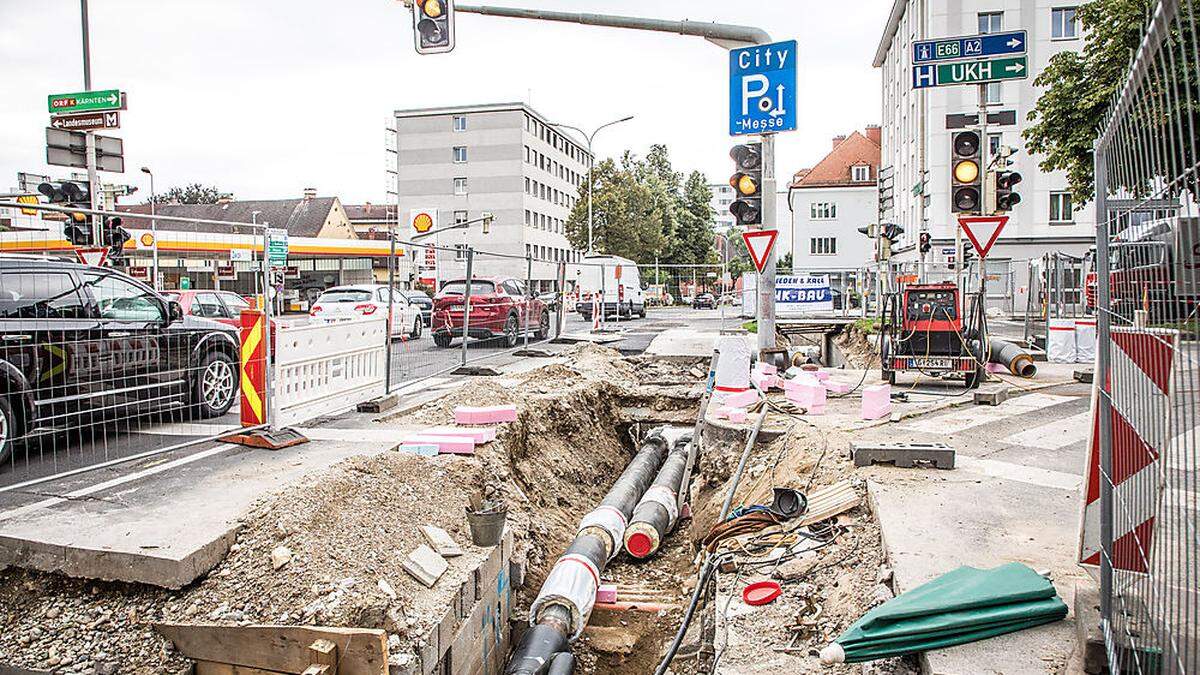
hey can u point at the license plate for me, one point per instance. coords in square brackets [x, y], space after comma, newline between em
[931, 363]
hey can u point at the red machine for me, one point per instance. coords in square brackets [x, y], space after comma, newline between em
[925, 332]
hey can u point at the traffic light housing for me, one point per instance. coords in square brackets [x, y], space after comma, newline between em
[115, 237]
[69, 194]
[1006, 197]
[747, 184]
[433, 26]
[966, 172]
[889, 234]
[926, 242]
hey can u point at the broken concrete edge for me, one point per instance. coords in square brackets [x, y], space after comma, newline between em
[142, 567]
[477, 371]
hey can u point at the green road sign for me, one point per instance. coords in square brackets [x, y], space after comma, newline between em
[106, 99]
[970, 72]
[277, 246]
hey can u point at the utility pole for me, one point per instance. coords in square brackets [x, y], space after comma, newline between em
[89, 135]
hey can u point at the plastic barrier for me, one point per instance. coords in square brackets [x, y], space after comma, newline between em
[1060, 341]
[321, 368]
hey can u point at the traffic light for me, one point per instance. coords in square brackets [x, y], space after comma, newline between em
[1006, 198]
[968, 253]
[115, 237]
[487, 221]
[966, 176]
[926, 242]
[889, 234]
[868, 231]
[69, 194]
[433, 26]
[747, 183]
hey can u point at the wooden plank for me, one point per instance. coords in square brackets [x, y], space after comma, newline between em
[284, 649]
[828, 502]
[210, 668]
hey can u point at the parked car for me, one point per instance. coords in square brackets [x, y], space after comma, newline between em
[83, 345]
[220, 306]
[500, 309]
[346, 303]
[704, 300]
[423, 302]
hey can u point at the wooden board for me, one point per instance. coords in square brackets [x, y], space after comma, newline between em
[210, 668]
[828, 502]
[282, 649]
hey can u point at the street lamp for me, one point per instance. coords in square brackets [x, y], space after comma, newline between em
[591, 165]
[153, 230]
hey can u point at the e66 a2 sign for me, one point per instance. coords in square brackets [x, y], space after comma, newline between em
[762, 88]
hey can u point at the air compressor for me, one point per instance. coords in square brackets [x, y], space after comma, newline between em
[926, 330]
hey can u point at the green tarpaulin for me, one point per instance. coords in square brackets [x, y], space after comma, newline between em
[962, 606]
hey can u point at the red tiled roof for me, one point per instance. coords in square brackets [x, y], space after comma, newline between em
[855, 150]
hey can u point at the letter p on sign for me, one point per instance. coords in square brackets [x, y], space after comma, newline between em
[749, 91]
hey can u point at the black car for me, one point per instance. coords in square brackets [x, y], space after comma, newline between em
[86, 345]
[704, 301]
[422, 302]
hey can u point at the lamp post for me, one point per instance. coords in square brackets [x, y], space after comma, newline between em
[591, 165]
[153, 230]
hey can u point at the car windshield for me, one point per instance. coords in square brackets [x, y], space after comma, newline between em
[171, 296]
[477, 288]
[345, 295]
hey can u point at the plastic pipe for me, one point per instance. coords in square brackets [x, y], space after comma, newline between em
[1017, 360]
[658, 510]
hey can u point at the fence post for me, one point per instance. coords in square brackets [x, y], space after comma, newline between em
[529, 296]
[387, 339]
[1103, 400]
[562, 299]
[467, 302]
[269, 361]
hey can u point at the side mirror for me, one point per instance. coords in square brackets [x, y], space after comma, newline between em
[174, 311]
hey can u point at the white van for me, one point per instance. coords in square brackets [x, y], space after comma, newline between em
[615, 282]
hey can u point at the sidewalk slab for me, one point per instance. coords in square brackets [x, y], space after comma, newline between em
[690, 342]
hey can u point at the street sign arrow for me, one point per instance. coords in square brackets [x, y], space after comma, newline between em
[969, 72]
[104, 99]
[759, 244]
[85, 121]
[983, 231]
[762, 88]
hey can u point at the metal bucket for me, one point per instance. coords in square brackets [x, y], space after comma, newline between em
[487, 527]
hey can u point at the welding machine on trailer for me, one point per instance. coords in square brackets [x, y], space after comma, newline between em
[924, 331]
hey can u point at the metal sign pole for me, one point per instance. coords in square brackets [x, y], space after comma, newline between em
[89, 135]
[529, 295]
[269, 366]
[766, 279]
[467, 302]
[387, 339]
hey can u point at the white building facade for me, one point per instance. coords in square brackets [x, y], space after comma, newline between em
[722, 196]
[825, 221]
[916, 142]
[504, 159]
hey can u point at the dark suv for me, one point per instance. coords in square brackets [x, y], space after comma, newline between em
[84, 345]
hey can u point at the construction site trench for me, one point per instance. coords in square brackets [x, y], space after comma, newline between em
[329, 550]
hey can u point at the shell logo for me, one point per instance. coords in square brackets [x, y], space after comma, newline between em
[146, 239]
[422, 222]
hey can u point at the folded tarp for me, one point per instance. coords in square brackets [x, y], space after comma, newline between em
[962, 606]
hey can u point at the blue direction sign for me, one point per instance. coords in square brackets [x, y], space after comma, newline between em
[762, 88]
[970, 47]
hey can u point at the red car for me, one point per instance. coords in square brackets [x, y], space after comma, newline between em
[221, 306]
[501, 308]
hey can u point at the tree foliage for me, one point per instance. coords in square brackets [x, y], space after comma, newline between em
[1080, 87]
[645, 210]
[190, 194]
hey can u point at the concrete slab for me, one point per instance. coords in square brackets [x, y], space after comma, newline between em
[163, 520]
[690, 342]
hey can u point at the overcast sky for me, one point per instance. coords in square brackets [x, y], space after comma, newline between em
[267, 97]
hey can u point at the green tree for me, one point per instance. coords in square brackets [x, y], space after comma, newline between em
[1080, 87]
[627, 214]
[739, 256]
[694, 236]
[785, 264]
[190, 194]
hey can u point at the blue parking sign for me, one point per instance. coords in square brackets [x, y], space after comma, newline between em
[762, 88]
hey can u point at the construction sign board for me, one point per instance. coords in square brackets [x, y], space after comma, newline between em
[983, 231]
[759, 244]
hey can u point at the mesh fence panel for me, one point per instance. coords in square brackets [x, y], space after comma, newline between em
[1139, 519]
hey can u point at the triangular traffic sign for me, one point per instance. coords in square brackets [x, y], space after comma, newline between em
[94, 257]
[759, 243]
[983, 231]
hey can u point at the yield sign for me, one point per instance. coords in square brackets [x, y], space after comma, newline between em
[983, 231]
[759, 243]
[94, 257]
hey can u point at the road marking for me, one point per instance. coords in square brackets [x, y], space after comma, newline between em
[1056, 434]
[1020, 473]
[383, 435]
[977, 416]
[99, 487]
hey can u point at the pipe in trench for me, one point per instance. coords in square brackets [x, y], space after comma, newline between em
[565, 601]
[658, 510]
[1011, 356]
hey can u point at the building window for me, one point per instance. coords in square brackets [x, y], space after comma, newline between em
[527, 188]
[860, 174]
[460, 122]
[460, 154]
[822, 211]
[460, 251]
[1060, 208]
[460, 186]
[822, 246]
[994, 142]
[1063, 24]
[527, 217]
[991, 22]
[460, 217]
[992, 93]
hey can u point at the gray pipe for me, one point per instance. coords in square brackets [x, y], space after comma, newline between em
[716, 32]
[657, 512]
[1017, 360]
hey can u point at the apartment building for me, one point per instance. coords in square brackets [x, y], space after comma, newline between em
[502, 158]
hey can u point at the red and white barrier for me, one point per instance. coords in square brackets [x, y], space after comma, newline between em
[1141, 389]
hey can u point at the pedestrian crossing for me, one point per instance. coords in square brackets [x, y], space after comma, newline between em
[1056, 434]
[977, 416]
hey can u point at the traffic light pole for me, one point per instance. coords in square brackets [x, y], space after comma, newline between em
[766, 285]
[89, 136]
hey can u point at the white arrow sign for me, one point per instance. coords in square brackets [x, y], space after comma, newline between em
[1014, 43]
[1015, 67]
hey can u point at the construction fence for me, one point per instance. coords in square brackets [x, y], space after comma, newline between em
[1139, 518]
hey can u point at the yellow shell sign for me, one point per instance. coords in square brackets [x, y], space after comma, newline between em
[423, 220]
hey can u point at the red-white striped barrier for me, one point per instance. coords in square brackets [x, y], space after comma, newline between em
[1140, 387]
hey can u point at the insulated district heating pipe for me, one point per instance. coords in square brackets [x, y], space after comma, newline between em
[1017, 360]
[658, 510]
[565, 601]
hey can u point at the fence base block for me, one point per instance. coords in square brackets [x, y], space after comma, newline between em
[270, 439]
[378, 405]
[477, 371]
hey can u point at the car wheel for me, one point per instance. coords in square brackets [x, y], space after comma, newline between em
[642, 312]
[442, 339]
[416, 329]
[9, 430]
[216, 385]
[511, 329]
[543, 330]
